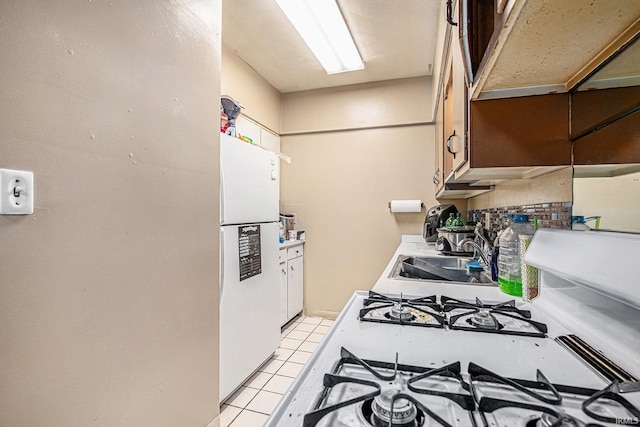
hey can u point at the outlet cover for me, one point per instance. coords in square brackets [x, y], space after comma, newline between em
[16, 192]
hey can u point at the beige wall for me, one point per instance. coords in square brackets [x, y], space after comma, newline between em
[616, 199]
[244, 84]
[109, 291]
[339, 183]
[552, 187]
[386, 103]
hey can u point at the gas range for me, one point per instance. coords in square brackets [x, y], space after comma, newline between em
[420, 350]
[373, 393]
[502, 317]
[461, 355]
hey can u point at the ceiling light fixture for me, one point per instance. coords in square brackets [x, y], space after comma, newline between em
[322, 27]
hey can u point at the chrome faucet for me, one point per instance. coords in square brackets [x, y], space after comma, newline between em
[478, 249]
[484, 249]
[479, 233]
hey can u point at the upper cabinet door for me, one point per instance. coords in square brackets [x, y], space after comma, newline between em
[457, 144]
[438, 175]
[476, 29]
[270, 141]
[248, 128]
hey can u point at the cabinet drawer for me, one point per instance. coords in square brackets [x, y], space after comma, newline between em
[282, 255]
[295, 252]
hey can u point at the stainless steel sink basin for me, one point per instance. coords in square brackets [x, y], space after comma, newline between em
[439, 269]
[445, 261]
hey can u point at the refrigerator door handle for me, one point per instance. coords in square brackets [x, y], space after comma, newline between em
[221, 285]
[221, 193]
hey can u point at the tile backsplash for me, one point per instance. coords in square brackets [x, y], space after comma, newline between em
[550, 215]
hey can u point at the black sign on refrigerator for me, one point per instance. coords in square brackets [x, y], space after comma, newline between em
[249, 249]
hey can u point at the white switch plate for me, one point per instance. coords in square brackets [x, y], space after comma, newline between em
[16, 192]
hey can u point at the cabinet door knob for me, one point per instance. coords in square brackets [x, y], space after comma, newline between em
[292, 268]
[449, 144]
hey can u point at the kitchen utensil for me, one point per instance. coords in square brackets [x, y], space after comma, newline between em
[288, 220]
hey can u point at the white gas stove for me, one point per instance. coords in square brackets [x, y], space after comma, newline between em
[471, 357]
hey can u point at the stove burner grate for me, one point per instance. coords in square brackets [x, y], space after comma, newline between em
[423, 311]
[390, 399]
[481, 317]
[548, 400]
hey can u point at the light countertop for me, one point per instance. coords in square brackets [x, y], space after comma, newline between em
[291, 243]
[414, 245]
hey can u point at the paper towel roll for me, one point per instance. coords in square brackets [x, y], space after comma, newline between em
[405, 206]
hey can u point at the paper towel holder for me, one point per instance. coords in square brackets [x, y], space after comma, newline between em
[421, 206]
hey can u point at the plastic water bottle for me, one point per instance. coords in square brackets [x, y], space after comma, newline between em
[281, 233]
[509, 273]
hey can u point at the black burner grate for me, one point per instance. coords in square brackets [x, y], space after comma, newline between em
[410, 383]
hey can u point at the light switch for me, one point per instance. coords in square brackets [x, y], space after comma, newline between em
[16, 192]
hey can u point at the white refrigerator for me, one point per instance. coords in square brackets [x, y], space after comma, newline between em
[249, 275]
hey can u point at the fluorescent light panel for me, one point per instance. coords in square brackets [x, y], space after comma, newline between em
[322, 27]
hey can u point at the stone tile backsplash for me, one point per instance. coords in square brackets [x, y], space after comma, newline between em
[550, 215]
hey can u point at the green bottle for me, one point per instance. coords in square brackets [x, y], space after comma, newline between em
[459, 222]
[451, 220]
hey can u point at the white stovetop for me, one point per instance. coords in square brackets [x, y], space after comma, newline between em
[516, 357]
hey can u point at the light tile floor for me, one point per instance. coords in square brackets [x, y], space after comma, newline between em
[251, 405]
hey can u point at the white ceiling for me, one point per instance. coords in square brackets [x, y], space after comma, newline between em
[395, 39]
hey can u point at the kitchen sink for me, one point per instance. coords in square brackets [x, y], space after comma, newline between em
[439, 269]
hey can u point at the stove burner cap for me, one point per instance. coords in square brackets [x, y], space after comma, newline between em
[483, 319]
[404, 411]
[548, 420]
[400, 312]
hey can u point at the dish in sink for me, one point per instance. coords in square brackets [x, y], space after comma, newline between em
[438, 268]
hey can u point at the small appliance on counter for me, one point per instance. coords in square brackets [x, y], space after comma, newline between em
[288, 220]
[436, 218]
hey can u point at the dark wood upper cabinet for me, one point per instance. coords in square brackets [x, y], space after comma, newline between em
[477, 26]
[605, 111]
[524, 131]
[592, 110]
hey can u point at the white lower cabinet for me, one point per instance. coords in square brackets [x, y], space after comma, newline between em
[282, 314]
[291, 282]
[294, 285]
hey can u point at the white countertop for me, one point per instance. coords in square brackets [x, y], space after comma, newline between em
[414, 245]
[291, 243]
